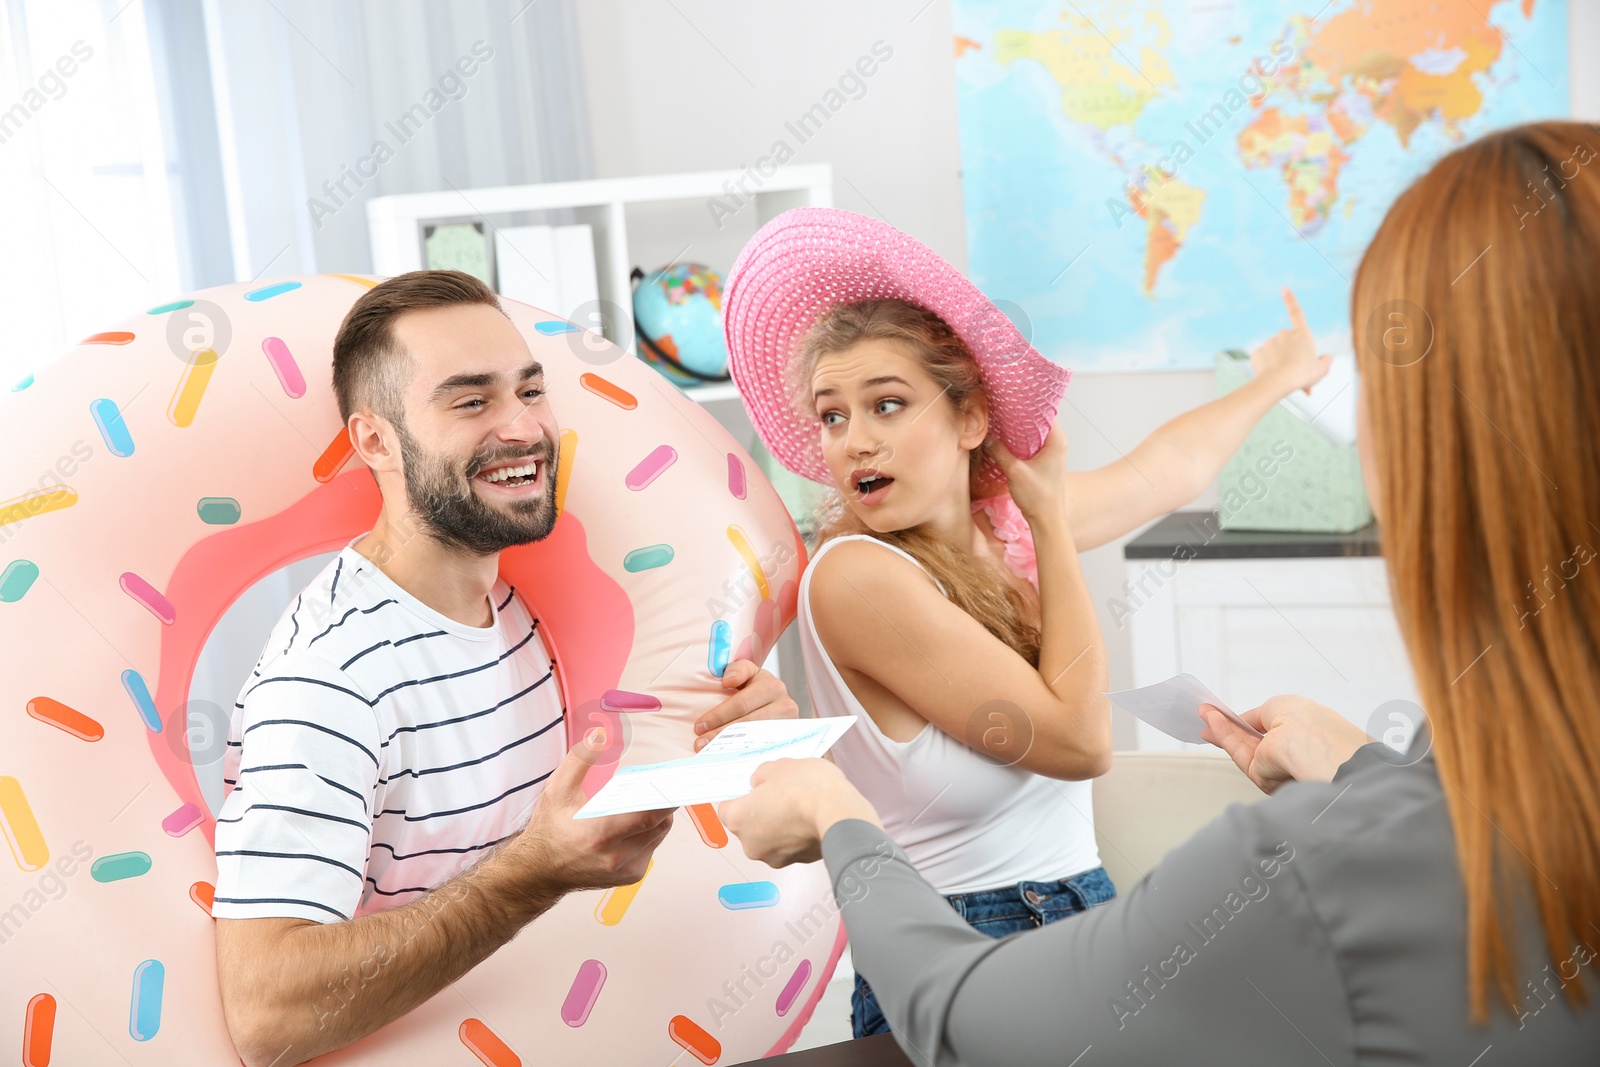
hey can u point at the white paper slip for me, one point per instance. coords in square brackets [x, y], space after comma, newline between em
[1173, 707]
[720, 771]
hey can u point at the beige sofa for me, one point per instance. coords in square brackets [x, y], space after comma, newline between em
[1151, 801]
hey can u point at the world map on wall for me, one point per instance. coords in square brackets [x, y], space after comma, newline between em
[1143, 176]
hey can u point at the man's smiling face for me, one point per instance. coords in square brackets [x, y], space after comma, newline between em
[478, 439]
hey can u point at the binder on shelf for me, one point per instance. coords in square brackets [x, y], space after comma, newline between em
[550, 267]
[577, 280]
[526, 257]
[457, 246]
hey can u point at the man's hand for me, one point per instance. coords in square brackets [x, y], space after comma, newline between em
[563, 853]
[761, 695]
[1304, 741]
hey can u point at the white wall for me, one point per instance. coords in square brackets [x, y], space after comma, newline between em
[700, 84]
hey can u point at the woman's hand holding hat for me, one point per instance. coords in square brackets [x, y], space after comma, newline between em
[1038, 485]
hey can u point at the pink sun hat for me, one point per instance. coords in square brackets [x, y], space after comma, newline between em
[810, 260]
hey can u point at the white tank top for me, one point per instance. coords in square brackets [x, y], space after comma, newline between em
[967, 822]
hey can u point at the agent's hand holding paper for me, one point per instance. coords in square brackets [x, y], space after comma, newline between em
[720, 771]
[1173, 707]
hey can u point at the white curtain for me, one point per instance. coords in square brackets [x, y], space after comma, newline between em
[148, 147]
[85, 215]
[321, 106]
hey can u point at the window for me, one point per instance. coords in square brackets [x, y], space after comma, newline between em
[85, 213]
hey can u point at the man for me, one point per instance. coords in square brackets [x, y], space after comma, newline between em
[404, 719]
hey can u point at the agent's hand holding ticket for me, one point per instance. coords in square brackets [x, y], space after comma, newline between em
[1173, 707]
[720, 771]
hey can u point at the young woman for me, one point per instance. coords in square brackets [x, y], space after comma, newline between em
[1437, 908]
[949, 615]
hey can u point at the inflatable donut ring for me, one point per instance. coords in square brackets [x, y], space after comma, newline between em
[151, 475]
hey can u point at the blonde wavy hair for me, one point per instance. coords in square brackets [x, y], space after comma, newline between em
[980, 587]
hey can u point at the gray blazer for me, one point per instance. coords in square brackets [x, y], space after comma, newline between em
[1322, 925]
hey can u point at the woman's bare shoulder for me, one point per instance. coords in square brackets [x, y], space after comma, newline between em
[858, 585]
[864, 561]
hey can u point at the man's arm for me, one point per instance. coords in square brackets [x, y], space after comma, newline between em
[293, 989]
[1175, 463]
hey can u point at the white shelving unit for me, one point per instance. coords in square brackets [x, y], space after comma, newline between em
[397, 222]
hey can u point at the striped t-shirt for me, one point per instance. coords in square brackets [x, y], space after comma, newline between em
[379, 747]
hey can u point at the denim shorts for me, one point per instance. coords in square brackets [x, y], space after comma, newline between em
[999, 912]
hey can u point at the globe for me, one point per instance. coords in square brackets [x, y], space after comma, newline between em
[678, 310]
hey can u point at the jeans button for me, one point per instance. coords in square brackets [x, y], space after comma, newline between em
[1032, 896]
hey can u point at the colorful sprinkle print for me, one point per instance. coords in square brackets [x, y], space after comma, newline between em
[333, 457]
[791, 989]
[38, 1031]
[622, 700]
[183, 820]
[113, 431]
[144, 1013]
[204, 895]
[70, 720]
[17, 579]
[693, 1038]
[707, 825]
[218, 510]
[485, 1044]
[133, 682]
[37, 502]
[741, 896]
[647, 558]
[614, 393]
[720, 648]
[584, 992]
[21, 828]
[556, 327]
[752, 562]
[736, 482]
[120, 865]
[284, 366]
[149, 596]
[651, 467]
[270, 291]
[614, 904]
[569, 457]
[191, 389]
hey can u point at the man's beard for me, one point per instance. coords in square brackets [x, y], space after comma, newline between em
[451, 511]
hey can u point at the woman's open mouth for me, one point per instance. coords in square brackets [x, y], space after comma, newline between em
[871, 486]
